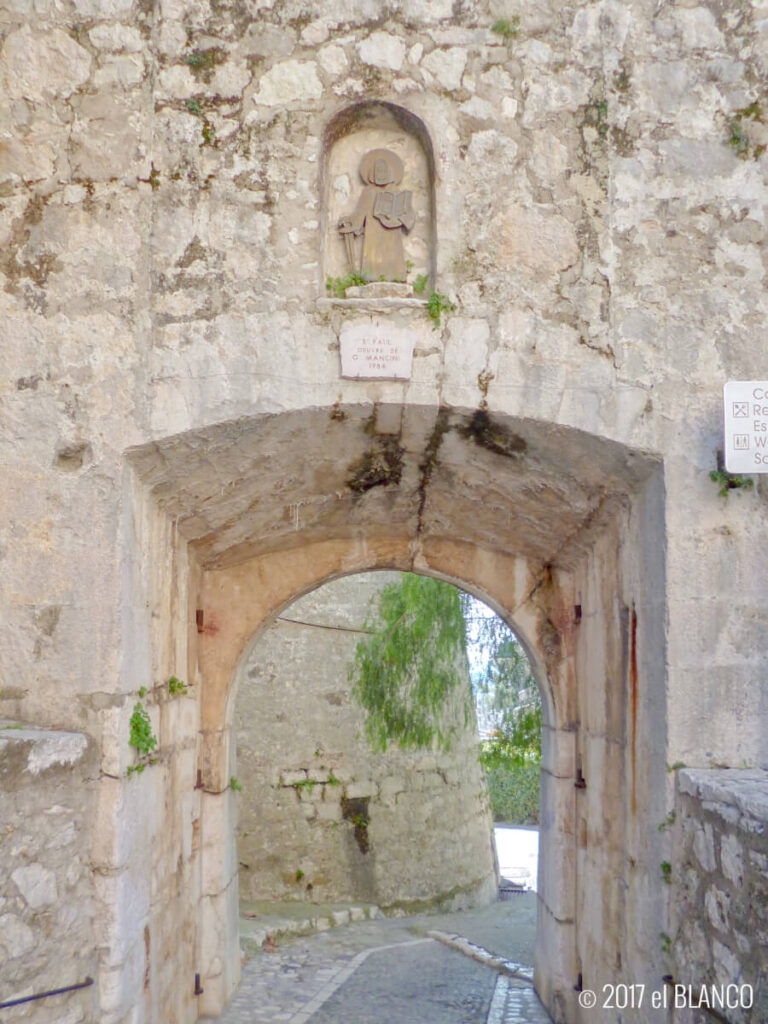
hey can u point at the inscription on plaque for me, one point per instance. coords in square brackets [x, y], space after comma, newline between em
[745, 407]
[372, 351]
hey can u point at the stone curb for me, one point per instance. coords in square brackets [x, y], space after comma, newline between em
[276, 928]
[483, 956]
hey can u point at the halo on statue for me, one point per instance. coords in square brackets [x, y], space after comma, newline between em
[393, 161]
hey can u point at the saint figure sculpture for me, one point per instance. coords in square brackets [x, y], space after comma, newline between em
[380, 214]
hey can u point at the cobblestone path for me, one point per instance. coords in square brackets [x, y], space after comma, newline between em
[378, 972]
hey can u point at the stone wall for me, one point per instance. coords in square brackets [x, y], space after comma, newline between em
[428, 837]
[47, 908]
[177, 436]
[719, 879]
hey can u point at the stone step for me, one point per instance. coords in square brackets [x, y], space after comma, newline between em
[262, 921]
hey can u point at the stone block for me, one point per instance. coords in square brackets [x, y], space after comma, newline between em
[732, 859]
[382, 50]
[447, 66]
[219, 950]
[36, 884]
[390, 786]
[290, 81]
[39, 67]
[366, 787]
[704, 846]
[717, 904]
[16, 938]
[219, 850]
[119, 982]
[122, 910]
[329, 811]
[217, 760]
[557, 876]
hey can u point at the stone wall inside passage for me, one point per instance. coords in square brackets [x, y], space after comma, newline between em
[322, 817]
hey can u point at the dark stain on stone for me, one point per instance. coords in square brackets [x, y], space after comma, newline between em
[28, 383]
[429, 462]
[12, 693]
[550, 642]
[72, 457]
[48, 619]
[380, 466]
[355, 809]
[336, 699]
[194, 251]
[484, 432]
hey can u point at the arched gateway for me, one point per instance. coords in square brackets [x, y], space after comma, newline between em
[556, 529]
[207, 412]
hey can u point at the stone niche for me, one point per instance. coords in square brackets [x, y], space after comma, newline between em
[351, 134]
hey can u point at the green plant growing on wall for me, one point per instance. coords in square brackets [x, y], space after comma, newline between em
[668, 822]
[666, 871]
[235, 785]
[176, 687]
[666, 942]
[337, 286]
[740, 135]
[730, 481]
[437, 306]
[507, 28]
[305, 786]
[420, 284]
[406, 667]
[141, 737]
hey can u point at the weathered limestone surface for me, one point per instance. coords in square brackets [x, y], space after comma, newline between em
[176, 436]
[302, 752]
[719, 878]
[48, 783]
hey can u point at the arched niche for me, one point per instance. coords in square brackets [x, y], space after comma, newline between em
[349, 135]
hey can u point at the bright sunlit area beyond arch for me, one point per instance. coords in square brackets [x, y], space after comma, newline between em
[509, 714]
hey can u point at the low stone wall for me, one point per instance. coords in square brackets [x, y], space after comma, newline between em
[322, 817]
[47, 787]
[720, 889]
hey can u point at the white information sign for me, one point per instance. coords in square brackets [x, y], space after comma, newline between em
[746, 426]
[371, 350]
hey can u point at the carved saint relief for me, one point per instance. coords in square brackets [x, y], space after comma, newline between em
[381, 216]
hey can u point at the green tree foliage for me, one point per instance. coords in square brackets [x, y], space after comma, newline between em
[511, 696]
[406, 668]
[514, 792]
[408, 665]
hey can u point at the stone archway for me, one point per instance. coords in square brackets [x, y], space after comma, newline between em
[559, 531]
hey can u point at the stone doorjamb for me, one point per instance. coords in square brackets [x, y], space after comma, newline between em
[238, 602]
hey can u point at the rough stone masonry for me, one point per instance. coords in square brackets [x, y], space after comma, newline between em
[182, 457]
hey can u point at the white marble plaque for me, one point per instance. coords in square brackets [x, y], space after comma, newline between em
[746, 426]
[374, 350]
